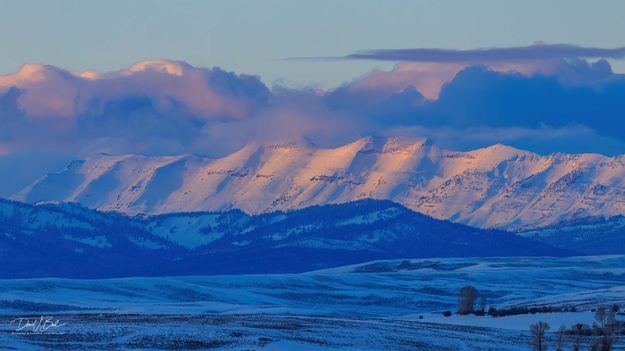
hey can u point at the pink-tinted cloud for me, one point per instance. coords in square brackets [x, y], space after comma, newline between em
[206, 93]
[164, 107]
[429, 77]
[48, 91]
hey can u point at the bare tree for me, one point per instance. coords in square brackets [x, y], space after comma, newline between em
[483, 303]
[466, 299]
[538, 331]
[606, 318]
[577, 336]
[560, 339]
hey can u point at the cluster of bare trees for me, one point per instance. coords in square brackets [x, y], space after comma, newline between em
[602, 333]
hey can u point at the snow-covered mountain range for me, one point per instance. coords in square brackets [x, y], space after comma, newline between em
[493, 187]
[67, 240]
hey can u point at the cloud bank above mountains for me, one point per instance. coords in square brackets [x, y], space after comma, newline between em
[166, 107]
[540, 51]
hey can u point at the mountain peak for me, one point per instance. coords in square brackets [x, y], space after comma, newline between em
[380, 144]
[498, 150]
[301, 143]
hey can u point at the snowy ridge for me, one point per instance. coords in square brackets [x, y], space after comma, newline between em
[493, 187]
[86, 243]
[591, 235]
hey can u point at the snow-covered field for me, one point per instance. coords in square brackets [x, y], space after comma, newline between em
[370, 306]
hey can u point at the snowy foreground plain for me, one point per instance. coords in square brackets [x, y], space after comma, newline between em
[371, 306]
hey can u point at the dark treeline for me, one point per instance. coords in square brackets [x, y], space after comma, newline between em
[600, 336]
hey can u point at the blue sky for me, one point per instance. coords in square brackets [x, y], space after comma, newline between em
[254, 36]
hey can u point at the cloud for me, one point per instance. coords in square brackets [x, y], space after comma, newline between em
[50, 92]
[151, 107]
[478, 96]
[557, 94]
[165, 107]
[521, 53]
[429, 77]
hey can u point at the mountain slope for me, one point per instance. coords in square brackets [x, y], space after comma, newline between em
[331, 235]
[67, 240]
[592, 235]
[70, 241]
[494, 187]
